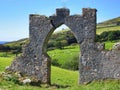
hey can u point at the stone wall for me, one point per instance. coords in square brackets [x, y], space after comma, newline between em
[95, 63]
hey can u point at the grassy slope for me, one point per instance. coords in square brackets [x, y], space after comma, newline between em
[64, 79]
[17, 43]
[108, 25]
[114, 28]
[110, 22]
[4, 62]
[65, 54]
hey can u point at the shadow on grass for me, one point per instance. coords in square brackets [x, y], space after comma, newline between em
[59, 86]
[55, 86]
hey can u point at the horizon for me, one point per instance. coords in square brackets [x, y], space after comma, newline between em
[14, 20]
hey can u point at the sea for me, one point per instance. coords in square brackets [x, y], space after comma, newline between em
[3, 42]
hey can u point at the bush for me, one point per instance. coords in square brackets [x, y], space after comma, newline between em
[50, 43]
[72, 64]
[58, 44]
[4, 54]
[55, 62]
[12, 78]
[61, 39]
[108, 36]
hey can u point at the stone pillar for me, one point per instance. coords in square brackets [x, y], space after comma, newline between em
[88, 46]
[40, 26]
[89, 23]
[34, 63]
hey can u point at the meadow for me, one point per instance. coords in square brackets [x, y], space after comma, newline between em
[66, 58]
[109, 25]
[103, 29]
[61, 79]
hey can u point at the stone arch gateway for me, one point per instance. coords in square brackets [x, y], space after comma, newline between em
[35, 63]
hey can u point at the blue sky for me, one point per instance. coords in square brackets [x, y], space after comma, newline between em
[14, 14]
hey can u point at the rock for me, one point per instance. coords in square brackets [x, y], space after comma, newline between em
[116, 46]
[7, 67]
[100, 46]
[26, 81]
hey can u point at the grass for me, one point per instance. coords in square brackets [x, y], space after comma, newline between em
[64, 77]
[63, 55]
[6, 54]
[109, 25]
[114, 28]
[109, 44]
[4, 61]
[113, 21]
[61, 79]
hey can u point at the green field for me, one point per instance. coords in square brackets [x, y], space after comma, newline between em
[109, 25]
[65, 55]
[103, 29]
[61, 79]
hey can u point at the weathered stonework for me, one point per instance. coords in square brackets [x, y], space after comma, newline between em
[95, 62]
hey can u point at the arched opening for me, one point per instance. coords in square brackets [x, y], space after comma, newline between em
[64, 51]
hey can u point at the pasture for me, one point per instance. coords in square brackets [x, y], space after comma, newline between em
[61, 79]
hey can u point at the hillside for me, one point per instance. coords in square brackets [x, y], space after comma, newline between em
[111, 22]
[108, 25]
[17, 43]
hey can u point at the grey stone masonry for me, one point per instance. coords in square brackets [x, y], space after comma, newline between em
[95, 63]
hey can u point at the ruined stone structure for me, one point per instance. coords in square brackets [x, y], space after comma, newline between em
[95, 62]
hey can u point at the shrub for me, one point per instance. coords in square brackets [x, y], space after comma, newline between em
[108, 36]
[11, 78]
[55, 62]
[72, 63]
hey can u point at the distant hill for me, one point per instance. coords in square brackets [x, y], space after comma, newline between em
[17, 43]
[108, 23]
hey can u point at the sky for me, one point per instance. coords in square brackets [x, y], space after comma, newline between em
[14, 14]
